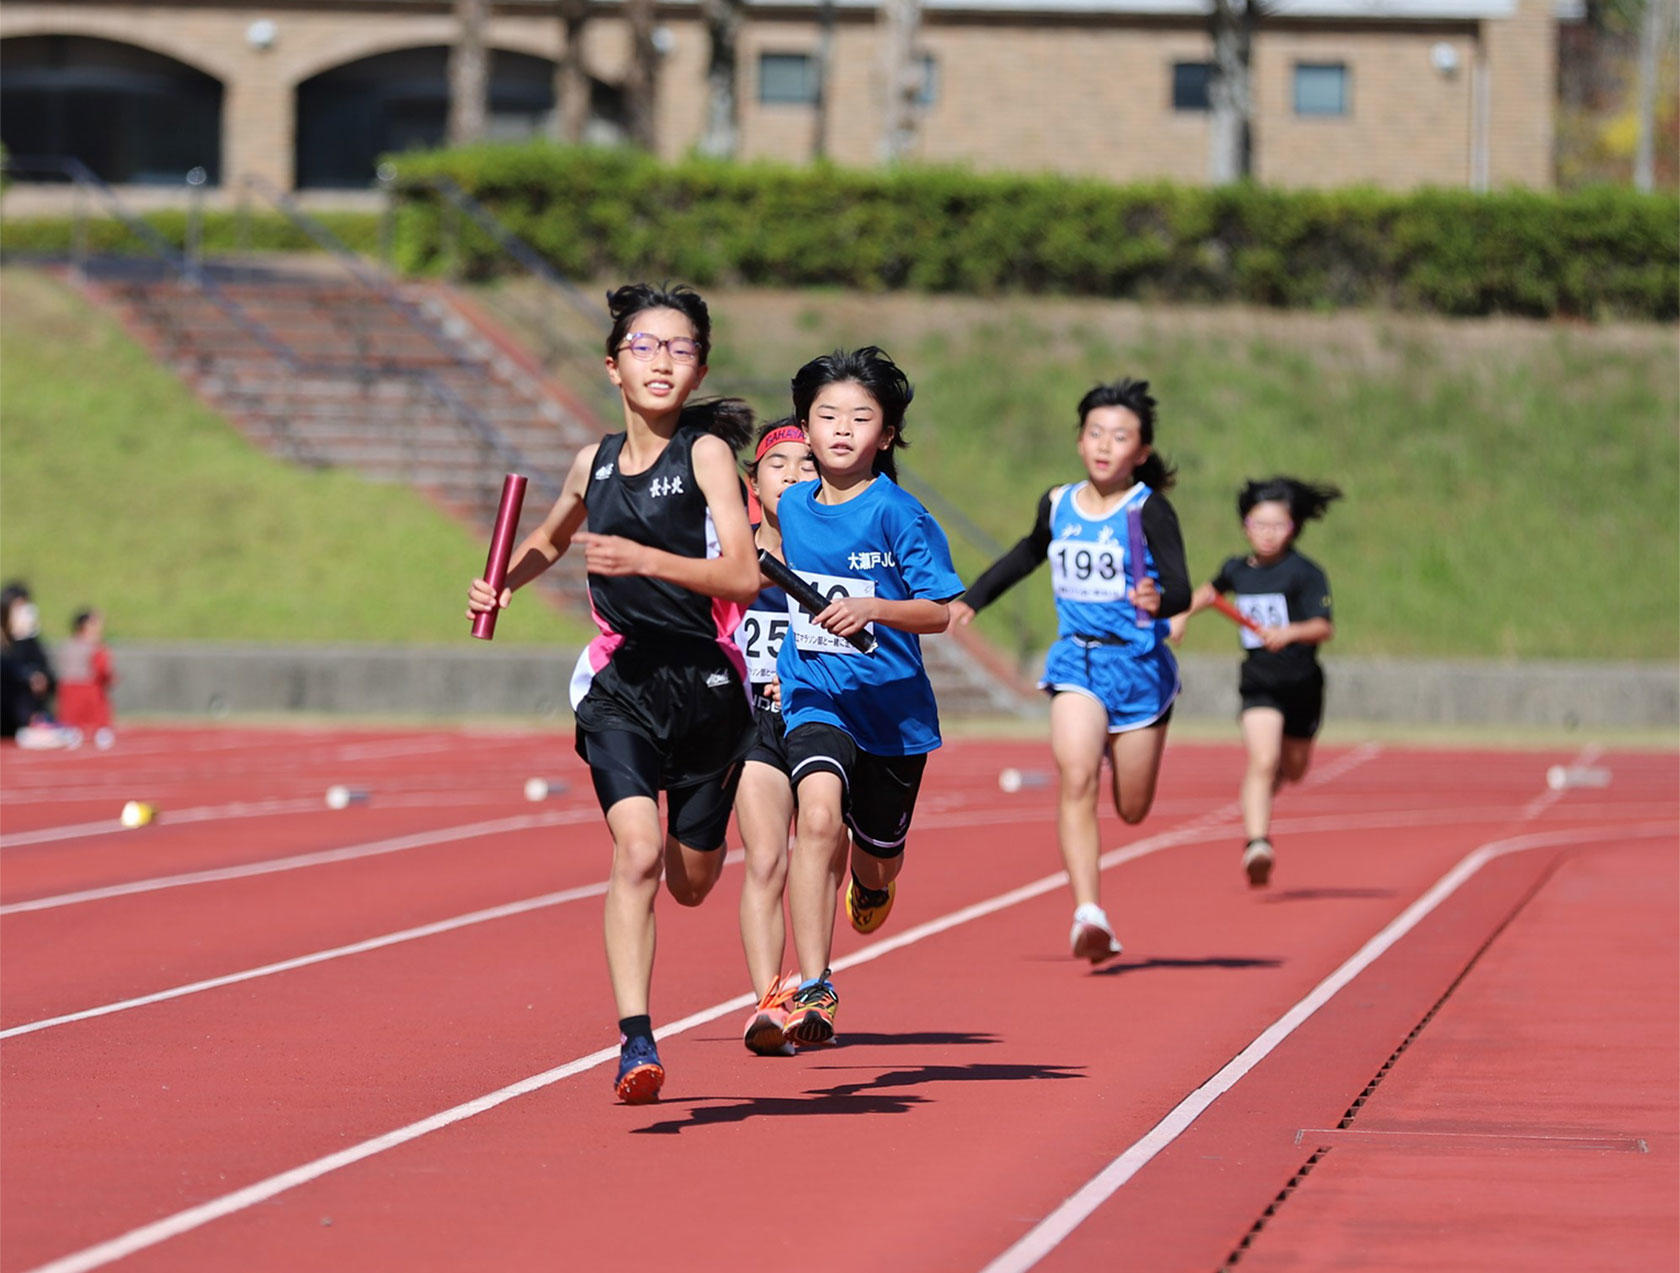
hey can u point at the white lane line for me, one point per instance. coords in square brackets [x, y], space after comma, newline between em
[1045, 1236]
[195, 1217]
[505, 911]
[374, 848]
[202, 813]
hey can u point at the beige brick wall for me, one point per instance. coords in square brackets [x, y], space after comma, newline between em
[1081, 96]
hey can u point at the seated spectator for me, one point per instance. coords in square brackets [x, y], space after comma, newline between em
[85, 678]
[26, 675]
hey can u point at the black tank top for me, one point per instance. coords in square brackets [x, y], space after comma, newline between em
[664, 508]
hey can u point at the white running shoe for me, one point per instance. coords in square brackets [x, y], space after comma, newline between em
[1092, 938]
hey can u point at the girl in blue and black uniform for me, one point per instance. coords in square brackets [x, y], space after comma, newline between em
[764, 801]
[1111, 678]
[660, 696]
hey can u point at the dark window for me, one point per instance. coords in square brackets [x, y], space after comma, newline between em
[786, 79]
[1321, 88]
[1190, 85]
[928, 93]
[351, 114]
[131, 115]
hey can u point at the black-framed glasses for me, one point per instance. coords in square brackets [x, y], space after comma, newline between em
[644, 345]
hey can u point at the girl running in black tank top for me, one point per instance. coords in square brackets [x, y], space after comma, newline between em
[660, 695]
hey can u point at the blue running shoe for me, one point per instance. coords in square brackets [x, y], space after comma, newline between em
[640, 1075]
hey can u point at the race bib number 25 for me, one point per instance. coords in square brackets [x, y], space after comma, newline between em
[760, 638]
[807, 635]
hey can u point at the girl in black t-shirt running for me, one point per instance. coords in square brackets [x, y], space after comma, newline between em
[660, 696]
[1284, 600]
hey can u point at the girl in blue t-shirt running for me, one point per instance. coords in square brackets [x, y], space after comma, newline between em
[859, 726]
[1111, 678]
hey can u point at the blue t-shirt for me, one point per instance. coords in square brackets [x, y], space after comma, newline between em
[884, 544]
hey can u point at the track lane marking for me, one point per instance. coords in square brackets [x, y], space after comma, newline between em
[196, 1217]
[269, 866]
[1048, 1233]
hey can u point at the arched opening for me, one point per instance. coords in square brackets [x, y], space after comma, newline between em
[131, 115]
[350, 115]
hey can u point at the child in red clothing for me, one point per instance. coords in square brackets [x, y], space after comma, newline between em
[85, 678]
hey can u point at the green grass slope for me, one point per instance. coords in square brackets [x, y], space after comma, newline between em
[119, 489]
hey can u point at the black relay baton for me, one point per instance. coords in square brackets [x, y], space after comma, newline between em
[807, 597]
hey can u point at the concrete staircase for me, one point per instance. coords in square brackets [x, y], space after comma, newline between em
[411, 384]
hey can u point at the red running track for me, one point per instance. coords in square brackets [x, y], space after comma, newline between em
[267, 1035]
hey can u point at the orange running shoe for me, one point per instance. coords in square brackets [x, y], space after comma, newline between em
[767, 1026]
[1257, 862]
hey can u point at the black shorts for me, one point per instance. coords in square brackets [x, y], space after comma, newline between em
[672, 718]
[770, 737]
[1300, 701]
[880, 791]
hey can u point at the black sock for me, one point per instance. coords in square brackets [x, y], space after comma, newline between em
[875, 895]
[636, 1028]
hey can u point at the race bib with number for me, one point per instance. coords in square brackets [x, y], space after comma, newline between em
[1268, 609]
[760, 638]
[807, 635]
[1088, 572]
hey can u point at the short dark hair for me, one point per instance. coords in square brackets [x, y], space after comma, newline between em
[624, 303]
[1134, 395]
[1306, 500]
[877, 373]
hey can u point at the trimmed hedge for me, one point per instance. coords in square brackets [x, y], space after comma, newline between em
[1600, 253]
[220, 232]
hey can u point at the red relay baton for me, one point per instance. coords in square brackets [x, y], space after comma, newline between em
[1235, 615]
[501, 549]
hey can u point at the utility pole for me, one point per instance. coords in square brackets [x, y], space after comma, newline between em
[469, 74]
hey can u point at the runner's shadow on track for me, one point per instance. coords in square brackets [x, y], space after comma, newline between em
[929, 1038]
[1325, 894]
[870, 1096]
[1215, 961]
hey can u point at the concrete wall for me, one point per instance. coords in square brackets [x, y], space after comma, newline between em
[486, 680]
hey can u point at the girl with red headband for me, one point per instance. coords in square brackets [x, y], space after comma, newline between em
[764, 800]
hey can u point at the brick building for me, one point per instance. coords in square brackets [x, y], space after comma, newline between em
[1399, 93]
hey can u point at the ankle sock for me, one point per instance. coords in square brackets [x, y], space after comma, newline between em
[872, 896]
[635, 1028]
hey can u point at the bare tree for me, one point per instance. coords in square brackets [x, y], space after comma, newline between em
[571, 74]
[641, 73]
[1230, 92]
[722, 134]
[469, 74]
[903, 21]
[821, 70]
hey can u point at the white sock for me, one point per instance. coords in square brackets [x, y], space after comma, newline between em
[1091, 913]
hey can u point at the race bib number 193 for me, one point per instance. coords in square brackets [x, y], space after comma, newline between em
[1088, 572]
[807, 635]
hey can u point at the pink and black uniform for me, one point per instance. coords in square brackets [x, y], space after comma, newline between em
[660, 695]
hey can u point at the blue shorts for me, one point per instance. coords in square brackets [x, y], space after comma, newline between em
[1136, 691]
